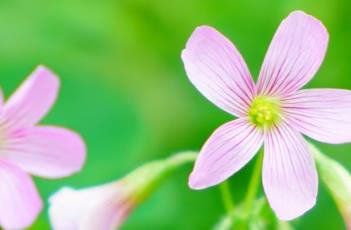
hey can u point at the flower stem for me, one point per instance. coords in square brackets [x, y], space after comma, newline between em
[181, 158]
[227, 197]
[254, 184]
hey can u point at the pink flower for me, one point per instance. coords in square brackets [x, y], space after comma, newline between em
[44, 151]
[100, 207]
[273, 112]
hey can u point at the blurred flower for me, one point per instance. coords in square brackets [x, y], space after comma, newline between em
[274, 112]
[45, 151]
[107, 206]
[338, 181]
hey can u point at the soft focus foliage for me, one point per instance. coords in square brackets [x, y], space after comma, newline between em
[125, 90]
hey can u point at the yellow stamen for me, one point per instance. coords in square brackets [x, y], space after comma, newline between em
[264, 111]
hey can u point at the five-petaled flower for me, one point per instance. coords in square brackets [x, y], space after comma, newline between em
[273, 112]
[44, 151]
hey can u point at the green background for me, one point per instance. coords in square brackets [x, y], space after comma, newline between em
[125, 90]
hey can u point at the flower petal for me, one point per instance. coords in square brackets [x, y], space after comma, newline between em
[217, 70]
[107, 216]
[32, 100]
[294, 55]
[322, 114]
[19, 199]
[229, 148]
[289, 174]
[89, 209]
[45, 151]
[1, 99]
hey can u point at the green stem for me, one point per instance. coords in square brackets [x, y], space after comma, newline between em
[254, 184]
[227, 197]
[181, 158]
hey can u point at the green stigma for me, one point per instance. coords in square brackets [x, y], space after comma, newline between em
[264, 111]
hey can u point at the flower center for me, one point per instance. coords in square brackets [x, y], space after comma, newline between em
[264, 111]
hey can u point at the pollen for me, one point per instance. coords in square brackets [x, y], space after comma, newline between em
[264, 111]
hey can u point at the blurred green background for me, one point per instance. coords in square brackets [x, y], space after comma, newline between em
[124, 88]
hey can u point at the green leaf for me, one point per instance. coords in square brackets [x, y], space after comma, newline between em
[338, 181]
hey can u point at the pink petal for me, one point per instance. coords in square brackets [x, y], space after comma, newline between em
[322, 114]
[229, 148]
[294, 55]
[1, 99]
[218, 71]
[98, 207]
[289, 174]
[19, 199]
[32, 100]
[107, 216]
[45, 151]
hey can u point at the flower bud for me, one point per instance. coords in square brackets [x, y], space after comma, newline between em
[107, 206]
[338, 181]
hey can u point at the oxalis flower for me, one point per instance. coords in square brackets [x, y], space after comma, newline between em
[273, 112]
[44, 151]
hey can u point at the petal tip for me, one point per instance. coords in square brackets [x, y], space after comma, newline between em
[196, 183]
[16, 216]
[200, 33]
[298, 13]
[204, 28]
[30, 219]
[80, 152]
[301, 15]
[42, 71]
[297, 211]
